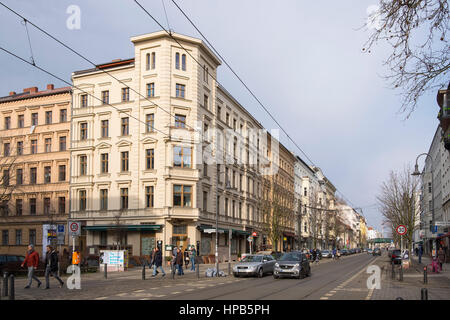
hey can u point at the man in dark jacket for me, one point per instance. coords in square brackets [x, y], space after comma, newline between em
[179, 262]
[32, 262]
[51, 267]
[157, 262]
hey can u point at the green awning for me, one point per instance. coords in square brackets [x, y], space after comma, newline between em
[241, 232]
[137, 227]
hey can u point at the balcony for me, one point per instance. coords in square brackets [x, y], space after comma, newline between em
[443, 100]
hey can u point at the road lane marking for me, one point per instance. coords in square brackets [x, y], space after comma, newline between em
[176, 292]
[189, 289]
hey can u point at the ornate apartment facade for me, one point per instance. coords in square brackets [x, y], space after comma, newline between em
[140, 172]
[34, 165]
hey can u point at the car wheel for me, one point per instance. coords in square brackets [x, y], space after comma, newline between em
[275, 277]
[302, 274]
[309, 272]
[260, 273]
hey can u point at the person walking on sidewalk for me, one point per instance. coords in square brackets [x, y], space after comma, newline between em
[31, 262]
[441, 257]
[334, 254]
[420, 253]
[179, 262]
[152, 260]
[193, 255]
[186, 257]
[51, 267]
[157, 263]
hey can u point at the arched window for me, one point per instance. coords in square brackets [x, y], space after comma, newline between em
[183, 62]
[153, 60]
[177, 60]
[147, 62]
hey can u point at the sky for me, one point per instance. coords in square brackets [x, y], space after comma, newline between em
[302, 59]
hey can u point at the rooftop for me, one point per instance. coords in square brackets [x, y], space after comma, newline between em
[33, 92]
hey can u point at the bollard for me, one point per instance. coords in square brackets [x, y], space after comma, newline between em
[11, 287]
[424, 294]
[425, 276]
[143, 271]
[5, 284]
[106, 271]
[400, 276]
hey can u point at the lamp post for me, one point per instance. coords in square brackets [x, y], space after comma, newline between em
[417, 173]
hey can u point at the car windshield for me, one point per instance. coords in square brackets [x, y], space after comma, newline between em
[325, 251]
[291, 256]
[252, 259]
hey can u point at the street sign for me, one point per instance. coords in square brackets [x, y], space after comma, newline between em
[254, 234]
[61, 228]
[250, 239]
[401, 230]
[61, 234]
[74, 228]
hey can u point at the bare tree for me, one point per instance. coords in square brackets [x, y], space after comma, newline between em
[398, 204]
[415, 65]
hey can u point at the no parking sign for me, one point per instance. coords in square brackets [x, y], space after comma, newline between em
[74, 228]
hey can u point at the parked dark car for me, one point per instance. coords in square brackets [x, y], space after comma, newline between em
[376, 252]
[358, 250]
[292, 264]
[396, 256]
[12, 264]
[344, 252]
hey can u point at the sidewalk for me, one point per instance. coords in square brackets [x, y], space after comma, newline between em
[426, 261]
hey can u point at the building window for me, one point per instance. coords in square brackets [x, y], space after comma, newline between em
[103, 199]
[150, 159]
[61, 205]
[19, 148]
[125, 126]
[105, 128]
[83, 131]
[149, 197]
[180, 121]
[62, 173]
[48, 117]
[205, 73]
[33, 175]
[83, 101]
[5, 237]
[151, 89]
[63, 115]
[150, 122]
[125, 94]
[33, 147]
[20, 121]
[32, 236]
[34, 119]
[153, 60]
[429, 187]
[104, 162]
[123, 198]
[33, 206]
[177, 61]
[219, 112]
[183, 62]
[182, 196]
[47, 206]
[5, 178]
[226, 206]
[205, 101]
[182, 157]
[105, 97]
[18, 237]
[124, 161]
[305, 192]
[227, 119]
[82, 200]
[19, 176]
[48, 145]
[6, 149]
[19, 207]
[62, 143]
[83, 165]
[47, 174]
[147, 61]
[205, 200]
[7, 123]
[4, 208]
[180, 90]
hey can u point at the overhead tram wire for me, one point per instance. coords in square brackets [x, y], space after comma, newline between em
[239, 78]
[92, 63]
[66, 82]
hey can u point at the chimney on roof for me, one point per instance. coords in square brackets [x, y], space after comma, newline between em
[12, 93]
[50, 87]
[31, 90]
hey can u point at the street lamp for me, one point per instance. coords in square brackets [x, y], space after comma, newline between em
[417, 173]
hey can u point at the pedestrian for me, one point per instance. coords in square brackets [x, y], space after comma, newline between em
[193, 255]
[186, 257]
[157, 262]
[32, 262]
[334, 254]
[152, 259]
[314, 254]
[441, 256]
[417, 251]
[317, 257]
[51, 267]
[338, 253]
[420, 253]
[179, 262]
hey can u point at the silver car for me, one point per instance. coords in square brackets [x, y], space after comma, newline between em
[255, 264]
